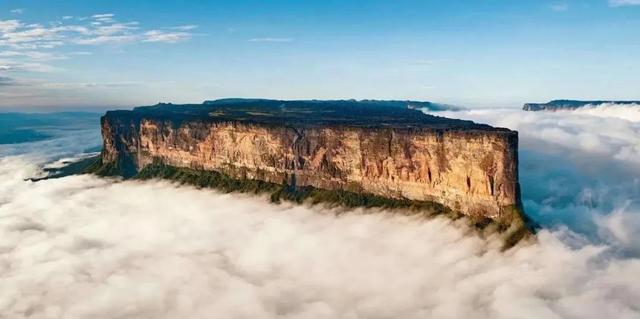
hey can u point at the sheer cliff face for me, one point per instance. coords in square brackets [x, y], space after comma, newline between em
[471, 171]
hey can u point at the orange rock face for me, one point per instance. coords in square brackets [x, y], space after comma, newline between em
[471, 171]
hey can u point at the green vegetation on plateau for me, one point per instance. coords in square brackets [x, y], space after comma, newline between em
[302, 113]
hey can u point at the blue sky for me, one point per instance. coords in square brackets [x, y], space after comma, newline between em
[71, 54]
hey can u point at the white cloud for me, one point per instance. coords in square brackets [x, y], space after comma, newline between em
[20, 66]
[107, 39]
[102, 29]
[620, 3]
[271, 40]
[623, 228]
[185, 27]
[80, 85]
[103, 16]
[17, 11]
[100, 19]
[579, 130]
[575, 165]
[89, 247]
[17, 35]
[115, 28]
[25, 45]
[628, 112]
[33, 55]
[81, 53]
[166, 37]
[9, 25]
[84, 246]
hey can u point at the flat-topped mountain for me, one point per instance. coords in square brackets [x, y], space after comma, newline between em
[557, 105]
[366, 152]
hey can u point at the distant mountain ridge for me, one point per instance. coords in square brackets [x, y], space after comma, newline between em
[557, 105]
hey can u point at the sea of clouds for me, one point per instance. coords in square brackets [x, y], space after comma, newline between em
[89, 247]
[577, 169]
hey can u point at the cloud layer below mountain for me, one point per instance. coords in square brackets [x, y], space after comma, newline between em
[83, 246]
[578, 168]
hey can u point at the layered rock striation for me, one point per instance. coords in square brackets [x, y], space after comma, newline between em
[355, 146]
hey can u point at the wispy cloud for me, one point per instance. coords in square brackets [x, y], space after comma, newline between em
[106, 17]
[22, 66]
[24, 46]
[81, 53]
[17, 11]
[6, 81]
[8, 26]
[166, 37]
[621, 3]
[107, 39]
[184, 27]
[34, 55]
[99, 29]
[80, 85]
[271, 40]
[103, 15]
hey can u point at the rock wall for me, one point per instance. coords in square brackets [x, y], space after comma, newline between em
[471, 171]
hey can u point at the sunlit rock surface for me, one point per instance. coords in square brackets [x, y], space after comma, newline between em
[374, 147]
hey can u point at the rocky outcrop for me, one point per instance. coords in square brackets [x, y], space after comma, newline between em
[394, 153]
[559, 105]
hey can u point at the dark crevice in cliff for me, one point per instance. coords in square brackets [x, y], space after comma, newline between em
[123, 166]
[390, 145]
[297, 147]
[491, 185]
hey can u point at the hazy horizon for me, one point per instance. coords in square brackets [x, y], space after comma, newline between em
[83, 55]
[101, 109]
